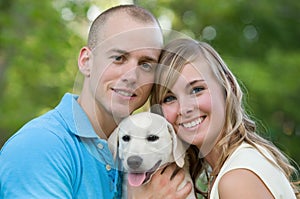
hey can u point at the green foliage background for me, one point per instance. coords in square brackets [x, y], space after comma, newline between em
[258, 39]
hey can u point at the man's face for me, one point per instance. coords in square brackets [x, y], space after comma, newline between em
[123, 65]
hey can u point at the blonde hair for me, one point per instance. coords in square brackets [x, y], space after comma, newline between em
[238, 127]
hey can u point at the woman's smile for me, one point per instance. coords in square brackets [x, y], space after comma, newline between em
[193, 123]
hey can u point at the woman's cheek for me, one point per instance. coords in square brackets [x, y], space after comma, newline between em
[170, 113]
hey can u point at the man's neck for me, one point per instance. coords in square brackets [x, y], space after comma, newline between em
[103, 123]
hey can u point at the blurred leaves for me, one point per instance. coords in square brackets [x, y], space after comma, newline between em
[35, 52]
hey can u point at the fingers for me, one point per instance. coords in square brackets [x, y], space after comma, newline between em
[167, 169]
[185, 191]
[171, 178]
[167, 174]
[172, 170]
[177, 176]
[175, 172]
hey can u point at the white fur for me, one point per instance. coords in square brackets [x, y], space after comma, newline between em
[167, 148]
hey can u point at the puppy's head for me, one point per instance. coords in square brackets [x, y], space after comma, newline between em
[146, 141]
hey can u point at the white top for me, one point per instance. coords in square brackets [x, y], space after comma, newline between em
[247, 157]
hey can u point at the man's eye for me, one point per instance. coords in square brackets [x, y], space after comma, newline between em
[146, 66]
[126, 138]
[169, 99]
[118, 59]
[152, 138]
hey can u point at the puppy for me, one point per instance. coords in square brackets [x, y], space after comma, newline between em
[145, 142]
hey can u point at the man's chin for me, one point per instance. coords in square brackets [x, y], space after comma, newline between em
[119, 113]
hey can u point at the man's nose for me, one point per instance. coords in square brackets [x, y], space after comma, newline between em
[130, 73]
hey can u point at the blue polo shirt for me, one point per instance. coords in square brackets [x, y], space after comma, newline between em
[58, 155]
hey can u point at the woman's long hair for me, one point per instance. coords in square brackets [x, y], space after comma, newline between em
[238, 127]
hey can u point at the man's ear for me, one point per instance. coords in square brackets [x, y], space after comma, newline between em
[84, 59]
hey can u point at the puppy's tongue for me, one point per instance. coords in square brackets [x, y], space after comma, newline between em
[136, 179]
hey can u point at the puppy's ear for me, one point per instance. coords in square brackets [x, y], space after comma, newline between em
[156, 108]
[179, 148]
[113, 142]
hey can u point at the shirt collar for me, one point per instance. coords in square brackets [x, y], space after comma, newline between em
[75, 117]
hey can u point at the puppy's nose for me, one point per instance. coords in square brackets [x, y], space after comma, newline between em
[134, 162]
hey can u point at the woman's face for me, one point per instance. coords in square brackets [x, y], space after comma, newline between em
[195, 106]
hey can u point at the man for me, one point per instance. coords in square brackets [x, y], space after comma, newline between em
[64, 153]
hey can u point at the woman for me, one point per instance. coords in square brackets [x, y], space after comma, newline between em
[202, 99]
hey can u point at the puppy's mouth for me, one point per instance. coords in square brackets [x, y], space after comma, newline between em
[137, 179]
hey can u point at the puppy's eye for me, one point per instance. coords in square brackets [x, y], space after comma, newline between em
[126, 138]
[152, 138]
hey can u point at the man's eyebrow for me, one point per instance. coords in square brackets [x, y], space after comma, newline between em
[149, 58]
[119, 51]
[124, 52]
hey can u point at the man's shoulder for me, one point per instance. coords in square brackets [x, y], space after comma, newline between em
[43, 153]
[42, 133]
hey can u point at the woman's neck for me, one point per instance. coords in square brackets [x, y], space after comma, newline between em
[212, 158]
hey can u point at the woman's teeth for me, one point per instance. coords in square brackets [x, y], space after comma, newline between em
[193, 123]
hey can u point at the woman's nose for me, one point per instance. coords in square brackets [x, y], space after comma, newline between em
[187, 106]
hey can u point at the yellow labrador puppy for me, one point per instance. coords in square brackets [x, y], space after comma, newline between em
[145, 142]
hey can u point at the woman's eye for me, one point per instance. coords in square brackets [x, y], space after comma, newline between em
[169, 99]
[197, 90]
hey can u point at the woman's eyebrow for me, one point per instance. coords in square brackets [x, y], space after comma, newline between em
[194, 82]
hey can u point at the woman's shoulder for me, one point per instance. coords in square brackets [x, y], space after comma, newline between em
[248, 155]
[251, 167]
[243, 182]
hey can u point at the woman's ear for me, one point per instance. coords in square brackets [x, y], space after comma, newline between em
[84, 59]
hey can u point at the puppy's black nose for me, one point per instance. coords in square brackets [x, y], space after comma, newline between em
[134, 162]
